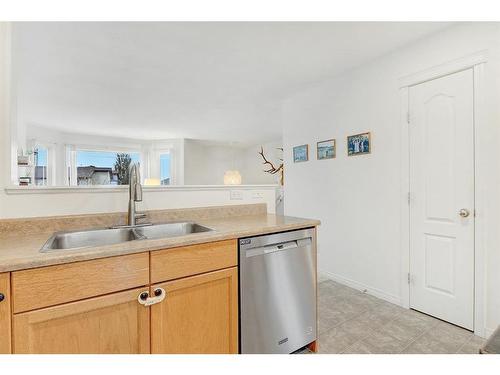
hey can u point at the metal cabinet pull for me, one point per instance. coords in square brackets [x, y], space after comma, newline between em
[159, 295]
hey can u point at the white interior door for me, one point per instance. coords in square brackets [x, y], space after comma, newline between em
[442, 198]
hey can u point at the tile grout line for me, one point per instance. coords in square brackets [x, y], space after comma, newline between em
[419, 336]
[463, 344]
[345, 321]
[415, 339]
[364, 312]
[392, 320]
[348, 320]
[370, 333]
[355, 342]
[409, 343]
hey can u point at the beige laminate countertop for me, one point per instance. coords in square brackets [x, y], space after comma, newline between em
[22, 251]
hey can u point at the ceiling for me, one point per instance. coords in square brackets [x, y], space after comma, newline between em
[157, 80]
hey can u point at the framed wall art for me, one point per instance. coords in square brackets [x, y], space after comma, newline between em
[326, 149]
[300, 153]
[359, 144]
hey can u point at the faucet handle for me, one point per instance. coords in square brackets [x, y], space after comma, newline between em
[142, 216]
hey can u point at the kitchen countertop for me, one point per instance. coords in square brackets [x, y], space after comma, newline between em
[22, 250]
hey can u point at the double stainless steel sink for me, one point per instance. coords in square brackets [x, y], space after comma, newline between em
[101, 237]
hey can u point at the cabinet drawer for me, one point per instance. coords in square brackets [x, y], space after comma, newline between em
[54, 285]
[185, 261]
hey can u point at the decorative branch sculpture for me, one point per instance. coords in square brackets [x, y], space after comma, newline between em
[272, 169]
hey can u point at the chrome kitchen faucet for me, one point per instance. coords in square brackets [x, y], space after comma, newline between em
[135, 194]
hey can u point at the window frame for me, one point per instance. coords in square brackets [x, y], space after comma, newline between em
[48, 166]
[51, 161]
[71, 159]
[170, 154]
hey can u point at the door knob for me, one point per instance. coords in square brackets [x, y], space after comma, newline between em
[464, 212]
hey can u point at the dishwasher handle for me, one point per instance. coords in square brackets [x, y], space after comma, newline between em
[283, 246]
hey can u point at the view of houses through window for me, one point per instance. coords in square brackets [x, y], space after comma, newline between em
[94, 167]
[104, 167]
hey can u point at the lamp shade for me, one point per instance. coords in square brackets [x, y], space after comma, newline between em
[152, 182]
[232, 178]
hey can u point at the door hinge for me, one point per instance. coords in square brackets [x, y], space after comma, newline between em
[409, 278]
[408, 117]
[408, 197]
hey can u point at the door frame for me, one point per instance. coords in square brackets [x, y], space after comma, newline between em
[476, 62]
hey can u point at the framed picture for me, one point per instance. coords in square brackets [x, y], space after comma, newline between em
[300, 153]
[326, 149]
[359, 144]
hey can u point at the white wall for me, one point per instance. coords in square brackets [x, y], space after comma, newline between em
[206, 162]
[22, 204]
[358, 199]
[253, 167]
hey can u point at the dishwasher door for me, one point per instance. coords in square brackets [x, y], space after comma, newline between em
[277, 292]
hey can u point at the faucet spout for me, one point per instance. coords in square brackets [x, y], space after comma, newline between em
[138, 186]
[134, 192]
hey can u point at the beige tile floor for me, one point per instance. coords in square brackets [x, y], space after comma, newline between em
[352, 322]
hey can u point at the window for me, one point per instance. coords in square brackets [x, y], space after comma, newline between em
[41, 156]
[165, 175]
[103, 167]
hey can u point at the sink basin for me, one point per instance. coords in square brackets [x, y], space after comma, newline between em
[101, 237]
[98, 237]
[171, 230]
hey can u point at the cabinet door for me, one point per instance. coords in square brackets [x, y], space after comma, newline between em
[115, 323]
[5, 313]
[198, 315]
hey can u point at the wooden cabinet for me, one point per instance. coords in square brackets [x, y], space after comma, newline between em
[198, 315]
[55, 285]
[94, 307]
[5, 316]
[115, 323]
[191, 260]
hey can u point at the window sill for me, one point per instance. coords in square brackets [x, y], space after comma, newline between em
[124, 188]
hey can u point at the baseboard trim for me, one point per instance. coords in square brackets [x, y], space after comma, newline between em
[362, 287]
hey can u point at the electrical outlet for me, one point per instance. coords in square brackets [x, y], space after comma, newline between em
[236, 195]
[257, 195]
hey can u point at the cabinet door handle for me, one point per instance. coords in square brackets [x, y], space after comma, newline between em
[159, 295]
[2, 297]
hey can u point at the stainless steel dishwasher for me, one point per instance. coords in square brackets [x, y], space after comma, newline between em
[277, 292]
